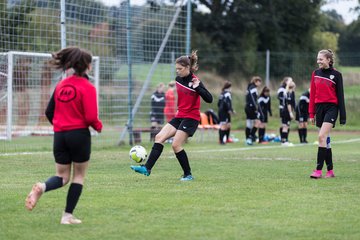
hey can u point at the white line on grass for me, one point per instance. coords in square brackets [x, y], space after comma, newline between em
[269, 147]
[207, 150]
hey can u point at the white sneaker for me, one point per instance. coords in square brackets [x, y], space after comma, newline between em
[68, 218]
[287, 144]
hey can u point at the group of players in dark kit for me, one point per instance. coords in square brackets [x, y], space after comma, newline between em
[258, 107]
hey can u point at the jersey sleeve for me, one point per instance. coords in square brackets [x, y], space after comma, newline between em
[91, 109]
[340, 97]
[50, 109]
[204, 93]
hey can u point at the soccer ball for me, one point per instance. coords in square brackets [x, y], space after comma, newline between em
[138, 154]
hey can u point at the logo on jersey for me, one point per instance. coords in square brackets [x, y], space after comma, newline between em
[332, 77]
[66, 93]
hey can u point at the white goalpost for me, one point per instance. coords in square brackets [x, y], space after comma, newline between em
[26, 84]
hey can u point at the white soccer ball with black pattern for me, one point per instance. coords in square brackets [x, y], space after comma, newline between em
[138, 154]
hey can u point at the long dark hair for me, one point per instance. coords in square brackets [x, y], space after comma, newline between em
[227, 85]
[72, 57]
[264, 90]
[191, 61]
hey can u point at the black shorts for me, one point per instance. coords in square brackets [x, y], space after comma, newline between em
[224, 117]
[251, 114]
[326, 112]
[285, 118]
[72, 146]
[157, 117]
[264, 118]
[301, 117]
[187, 125]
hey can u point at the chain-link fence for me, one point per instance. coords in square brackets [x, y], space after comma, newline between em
[126, 40]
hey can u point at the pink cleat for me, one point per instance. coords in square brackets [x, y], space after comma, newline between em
[330, 174]
[316, 174]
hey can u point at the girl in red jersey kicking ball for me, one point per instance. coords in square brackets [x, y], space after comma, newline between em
[326, 100]
[72, 110]
[189, 89]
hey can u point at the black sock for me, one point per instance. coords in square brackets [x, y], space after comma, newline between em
[304, 134]
[227, 133]
[184, 162]
[300, 134]
[73, 196]
[247, 132]
[253, 133]
[322, 152]
[154, 155]
[284, 137]
[329, 162]
[261, 134]
[287, 135]
[280, 130]
[53, 183]
[221, 135]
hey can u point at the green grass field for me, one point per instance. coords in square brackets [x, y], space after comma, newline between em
[239, 192]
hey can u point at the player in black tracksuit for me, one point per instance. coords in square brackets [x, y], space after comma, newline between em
[157, 110]
[251, 110]
[280, 95]
[264, 102]
[286, 112]
[225, 110]
[302, 115]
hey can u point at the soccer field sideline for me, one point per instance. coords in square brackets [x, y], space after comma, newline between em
[271, 147]
[204, 150]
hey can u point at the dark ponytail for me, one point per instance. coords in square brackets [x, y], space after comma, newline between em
[191, 61]
[72, 57]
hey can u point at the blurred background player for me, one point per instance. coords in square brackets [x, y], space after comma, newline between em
[189, 90]
[157, 110]
[287, 112]
[302, 115]
[326, 101]
[72, 109]
[225, 110]
[251, 110]
[264, 103]
[280, 95]
[170, 102]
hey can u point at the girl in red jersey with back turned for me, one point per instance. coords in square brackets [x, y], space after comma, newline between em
[326, 100]
[72, 110]
[189, 89]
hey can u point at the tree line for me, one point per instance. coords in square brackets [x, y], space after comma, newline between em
[237, 31]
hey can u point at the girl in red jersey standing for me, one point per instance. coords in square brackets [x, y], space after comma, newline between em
[72, 110]
[184, 124]
[326, 101]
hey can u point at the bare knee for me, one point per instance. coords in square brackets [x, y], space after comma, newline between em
[65, 178]
[176, 147]
[159, 138]
[322, 139]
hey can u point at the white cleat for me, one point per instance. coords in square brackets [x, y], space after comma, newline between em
[68, 218]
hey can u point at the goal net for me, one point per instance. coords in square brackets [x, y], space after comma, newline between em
[27, 82]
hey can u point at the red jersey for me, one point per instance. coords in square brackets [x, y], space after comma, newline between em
[189, 98]
[75, 105]
[327, 87]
